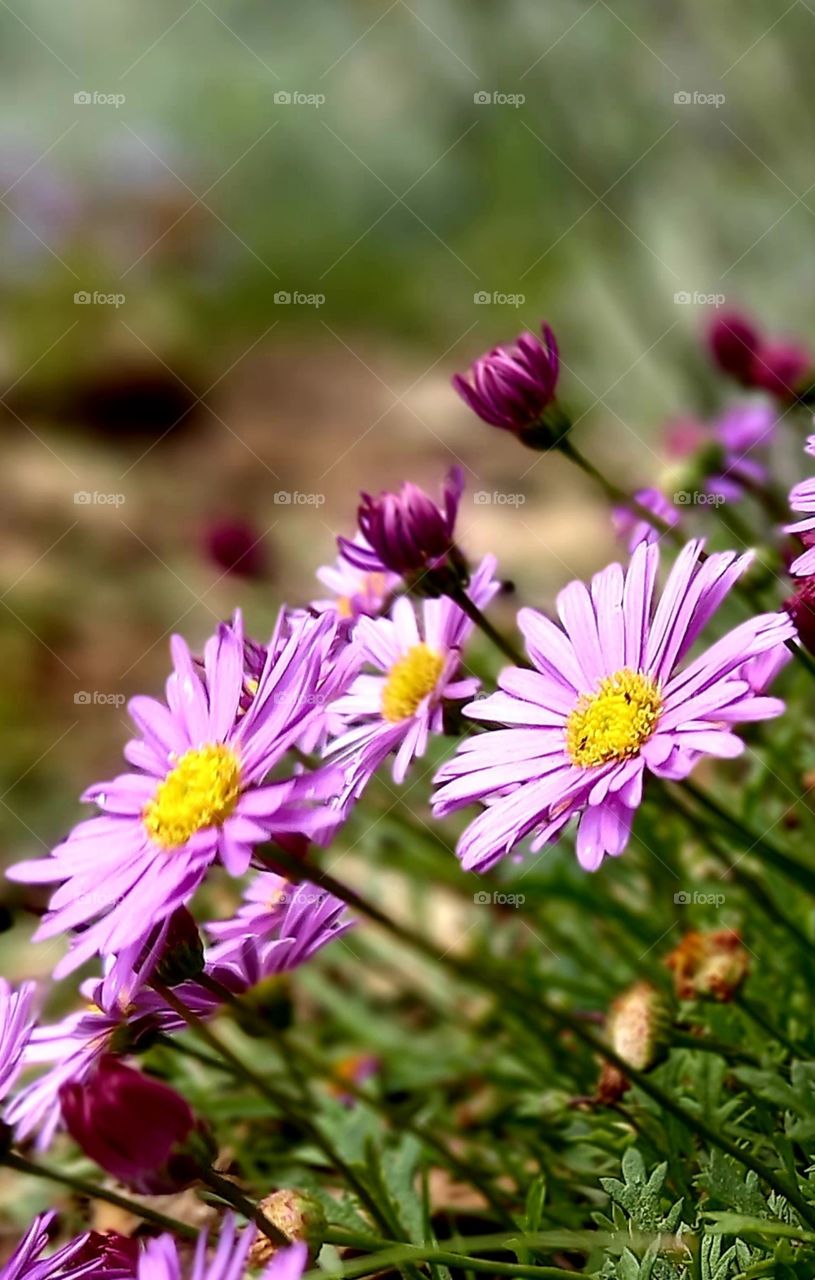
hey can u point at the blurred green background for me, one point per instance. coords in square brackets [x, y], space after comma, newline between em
[243, 246]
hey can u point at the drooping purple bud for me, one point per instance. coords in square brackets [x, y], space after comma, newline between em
[410, 535]
[742, 351]
[513, 387]
[733, 343]
[134, 1127]
[236, 547]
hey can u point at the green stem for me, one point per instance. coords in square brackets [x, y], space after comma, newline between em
[228, 1192]
[752, 1011]
[35, 1170]
[468, 606]
[684, 1040]
[790, 867]
[280, 1101]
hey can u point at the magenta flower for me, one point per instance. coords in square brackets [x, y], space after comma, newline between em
[418, 666]
[801, 608]
[406, 532]
[802, 498]
[355, 591]
[742, 433]
[636, 529]
[742, 351]
[227, 1261]
[134, 1127]
[237, 547]
[513, 387]
[199, 791]
[609, 700]
[70, 1262]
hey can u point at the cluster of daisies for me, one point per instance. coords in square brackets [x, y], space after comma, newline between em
[262, 746]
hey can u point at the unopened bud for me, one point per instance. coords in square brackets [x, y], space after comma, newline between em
[298, 1215]
[709, 966]
[638, 1024]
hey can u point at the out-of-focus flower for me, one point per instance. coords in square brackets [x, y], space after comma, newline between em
[298, 1215]
[609, 700]
[513, 387]
[355, 1069]
[802, 498]
[355, 591]
[407, 534]
[16, 1023]
[635, 528]
[709, 965]
[728, 457]
[418, 664]
[740, 350]
[238, 548]
[73, 1260]
[229, 1260]
[136, 1128]
[199, 791]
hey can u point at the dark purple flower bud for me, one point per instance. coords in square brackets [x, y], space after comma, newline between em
[134, 1127]
[733, 343]
[780, 367]
[801, 608]
[236, 547]
[182, 952]
[113, 1254]
[409, 534]
[513, 387]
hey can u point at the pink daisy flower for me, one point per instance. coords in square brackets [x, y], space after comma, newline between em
[609, 699]
[802, 498]
[80, 1257]
[635, 529]
[229, 1260]
[199, 791]
[417, 663]
[355, 591]
[16, 1022]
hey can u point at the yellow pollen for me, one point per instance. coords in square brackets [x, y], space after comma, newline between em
[201, 791]
[410, 680]
[614, 722]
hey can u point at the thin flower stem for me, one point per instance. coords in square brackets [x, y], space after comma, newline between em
[521, 1004]
[752, 1011]
[791, 867]
[228, 1192]
[36, 1170]
[278, 1100]
[466, 605]
[684, 1040]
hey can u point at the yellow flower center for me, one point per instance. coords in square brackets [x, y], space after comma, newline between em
[201, 791]
[410, 680]
[614, 722]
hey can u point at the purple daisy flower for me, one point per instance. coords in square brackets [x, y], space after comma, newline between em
[512, 387]
[228, 1261]
[68, 1263]
[635, 529]
[406, 532]
[802, 498]
[418, 665]
[740, 433]
[355, 591]
[198, 791]
[609, 699]
[16, 1024]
